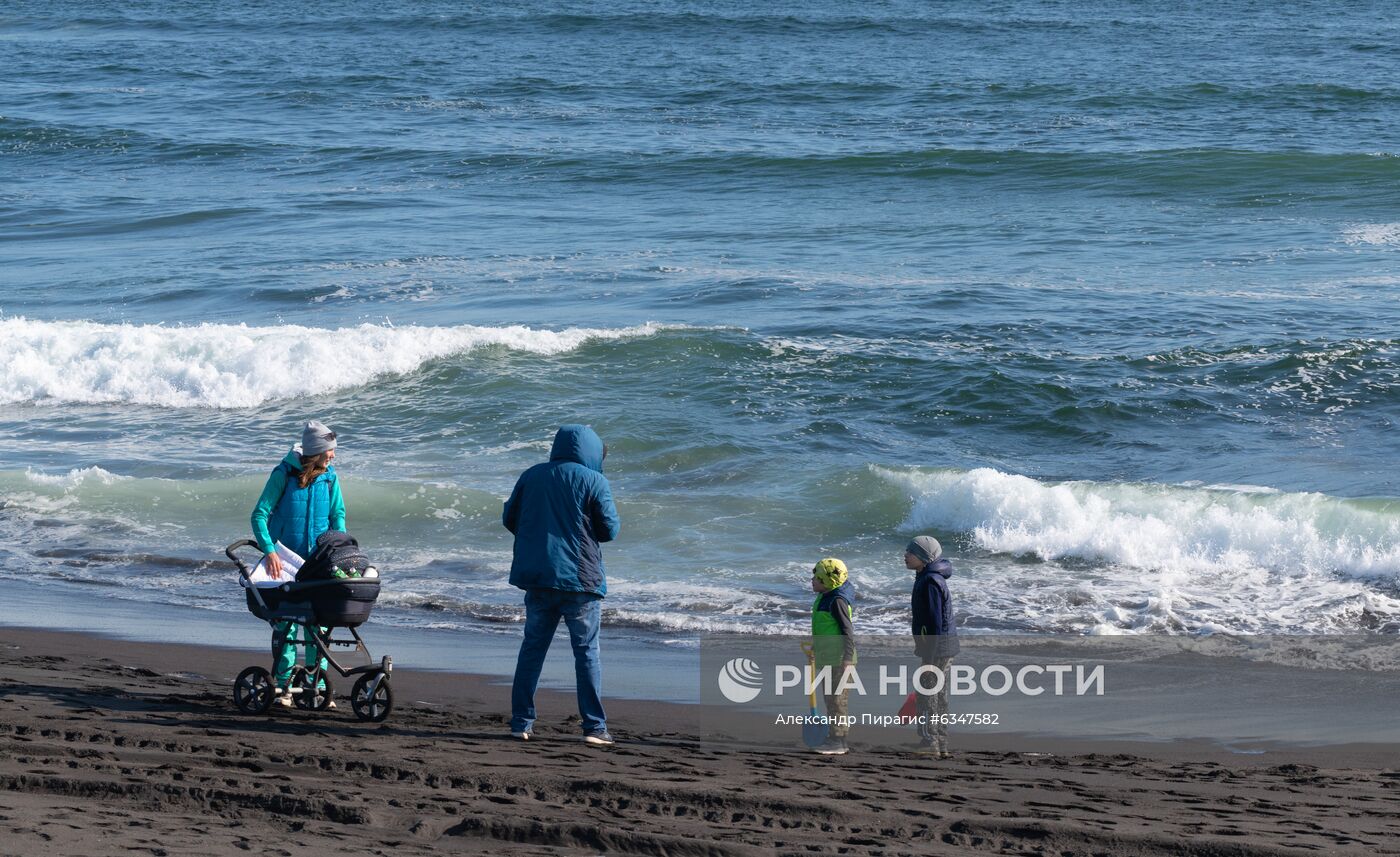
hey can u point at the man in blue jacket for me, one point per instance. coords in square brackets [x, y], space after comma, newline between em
[559, 512]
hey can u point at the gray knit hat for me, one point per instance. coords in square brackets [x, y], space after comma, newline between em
[316, 438]
[925, 548]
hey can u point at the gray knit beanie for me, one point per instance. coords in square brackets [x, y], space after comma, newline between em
[316, 438]
[925, 548]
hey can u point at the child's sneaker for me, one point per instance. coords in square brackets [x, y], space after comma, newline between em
[833, 747]
[282, 696]
[598, 738]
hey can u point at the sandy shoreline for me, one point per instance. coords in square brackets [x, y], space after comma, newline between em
[119, 747]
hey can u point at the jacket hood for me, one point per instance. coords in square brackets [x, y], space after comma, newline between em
[579, 444]
[940, 567]
[845, 591]
[293, 459]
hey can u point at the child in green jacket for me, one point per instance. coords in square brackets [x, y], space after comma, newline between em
[833, 644]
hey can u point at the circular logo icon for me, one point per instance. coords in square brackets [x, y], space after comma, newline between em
[740, 680]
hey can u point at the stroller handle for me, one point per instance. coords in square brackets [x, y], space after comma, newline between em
[243, 568]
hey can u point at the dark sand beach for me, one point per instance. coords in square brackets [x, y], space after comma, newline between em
[115, 747]
[1104, 296]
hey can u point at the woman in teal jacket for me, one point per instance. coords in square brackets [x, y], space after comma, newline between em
[300, 501]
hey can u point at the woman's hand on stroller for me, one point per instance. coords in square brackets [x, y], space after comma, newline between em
[274, 566]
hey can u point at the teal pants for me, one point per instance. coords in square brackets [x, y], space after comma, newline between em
[286, 636]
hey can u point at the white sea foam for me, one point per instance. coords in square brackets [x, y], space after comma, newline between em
[1168, 558]
[1158, 526]
[516, 446]
[1372, 234]
[670, 621]
[38, 493]
[237, 366]
[74, 478]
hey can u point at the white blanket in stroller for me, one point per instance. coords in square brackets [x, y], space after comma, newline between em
[291, 564]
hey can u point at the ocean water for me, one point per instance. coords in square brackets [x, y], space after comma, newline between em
[1103, 295]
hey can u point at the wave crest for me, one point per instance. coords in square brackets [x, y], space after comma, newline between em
[237, 366]
[1160, 527]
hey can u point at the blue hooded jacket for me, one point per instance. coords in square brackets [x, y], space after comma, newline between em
[935, 628]
[559, 512]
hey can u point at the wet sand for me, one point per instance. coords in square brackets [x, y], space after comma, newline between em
[115, 747]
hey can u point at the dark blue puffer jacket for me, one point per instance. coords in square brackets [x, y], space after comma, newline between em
[559, 512]
[935, 631]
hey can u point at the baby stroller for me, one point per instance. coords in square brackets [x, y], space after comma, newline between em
[312, 605]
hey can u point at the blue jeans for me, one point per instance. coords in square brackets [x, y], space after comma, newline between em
[583, 614]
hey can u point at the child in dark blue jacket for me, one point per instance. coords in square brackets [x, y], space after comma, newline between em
[935, 636]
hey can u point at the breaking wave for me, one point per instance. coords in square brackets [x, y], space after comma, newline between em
[237, 366]
[1137, 557]
[1146, 526]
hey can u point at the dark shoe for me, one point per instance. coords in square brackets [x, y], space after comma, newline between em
[833, 747]
[598, 738]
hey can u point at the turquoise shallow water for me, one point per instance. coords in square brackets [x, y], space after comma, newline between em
[1102, 295]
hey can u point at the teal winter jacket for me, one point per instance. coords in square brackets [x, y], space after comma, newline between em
[559, 512]
[293, 515]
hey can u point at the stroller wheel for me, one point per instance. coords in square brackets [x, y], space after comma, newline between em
[252, 691]
[371, 697]
[312, 698]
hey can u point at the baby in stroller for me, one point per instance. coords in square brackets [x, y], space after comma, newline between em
[337, 557]
[334, 589]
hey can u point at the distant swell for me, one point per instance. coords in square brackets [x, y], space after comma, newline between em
[237, 366]
[592, 162]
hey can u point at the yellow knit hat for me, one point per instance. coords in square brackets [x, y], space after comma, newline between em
[831, 572]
